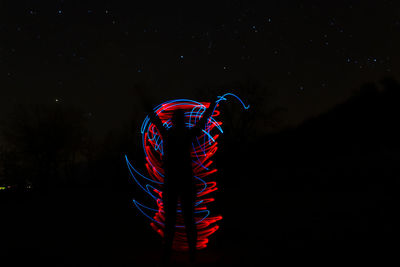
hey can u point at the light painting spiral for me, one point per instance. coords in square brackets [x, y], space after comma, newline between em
[203, 149]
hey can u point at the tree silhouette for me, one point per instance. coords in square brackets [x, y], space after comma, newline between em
[43, 139]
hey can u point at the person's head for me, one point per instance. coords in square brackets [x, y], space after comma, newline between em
[178, 118]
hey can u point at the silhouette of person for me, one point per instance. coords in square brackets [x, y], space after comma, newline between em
[178, 177]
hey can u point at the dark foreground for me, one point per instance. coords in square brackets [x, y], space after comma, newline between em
[326, 191]
[88, 227]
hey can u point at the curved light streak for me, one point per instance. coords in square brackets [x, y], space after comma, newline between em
[203, 148]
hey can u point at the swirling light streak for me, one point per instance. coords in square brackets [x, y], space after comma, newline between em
[204, 148]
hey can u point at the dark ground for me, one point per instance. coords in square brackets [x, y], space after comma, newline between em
[99, 228]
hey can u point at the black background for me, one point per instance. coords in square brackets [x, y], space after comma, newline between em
[309, 174]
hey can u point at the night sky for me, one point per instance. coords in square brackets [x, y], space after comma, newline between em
[309, 171]
[311, 54]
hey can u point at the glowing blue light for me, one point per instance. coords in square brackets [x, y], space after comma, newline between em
[144, 124]
[204, 183]
[238, 98]
[131, 167]
[151, 188]
[148, 131]
[208, 135]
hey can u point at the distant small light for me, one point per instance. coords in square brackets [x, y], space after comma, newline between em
[348, 60]
[269, 20]
[374, 59]
[59, 11]
[106, 11]
[225, 67]
[57, 100]
[181, 57]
